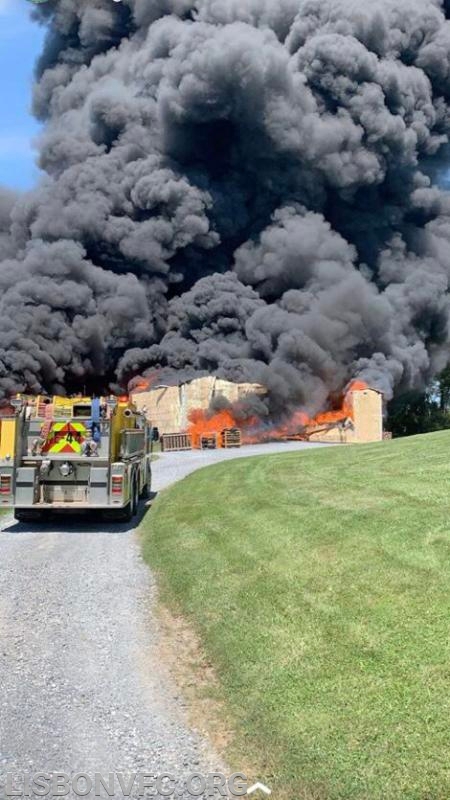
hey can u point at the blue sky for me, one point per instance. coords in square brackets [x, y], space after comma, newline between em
[20, 43]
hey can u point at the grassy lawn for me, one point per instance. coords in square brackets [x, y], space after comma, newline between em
[319, 583]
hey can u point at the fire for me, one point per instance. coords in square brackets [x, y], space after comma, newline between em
[144, 383]
[255, 430]
[357, 386]
[202, 423]
[344, 412]
[345, 409]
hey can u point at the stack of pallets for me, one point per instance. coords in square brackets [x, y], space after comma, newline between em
[231, 437]
[208, 441]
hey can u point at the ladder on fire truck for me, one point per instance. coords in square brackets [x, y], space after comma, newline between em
[47, 413]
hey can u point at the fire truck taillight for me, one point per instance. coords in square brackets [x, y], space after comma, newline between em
[117, 484]
[5, 484]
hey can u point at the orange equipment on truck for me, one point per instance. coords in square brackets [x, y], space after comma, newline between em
[64, 454]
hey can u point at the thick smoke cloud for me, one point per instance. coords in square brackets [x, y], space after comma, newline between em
[8, 200]
[244, 187]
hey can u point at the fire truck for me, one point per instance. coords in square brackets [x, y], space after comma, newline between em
[60, 454]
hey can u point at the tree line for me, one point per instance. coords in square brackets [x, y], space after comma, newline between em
[421, 412]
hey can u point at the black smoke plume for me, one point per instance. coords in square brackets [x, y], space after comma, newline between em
[243, 187]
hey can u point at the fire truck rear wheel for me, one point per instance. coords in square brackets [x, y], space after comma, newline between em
[131, 509]
[135, 496]
[147, 490]
[125, 515]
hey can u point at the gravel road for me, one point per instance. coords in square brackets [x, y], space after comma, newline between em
[82, 687]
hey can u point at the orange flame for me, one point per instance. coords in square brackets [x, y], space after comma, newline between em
[255, 430]
[143, 383]
[141, 386]
[201, 423]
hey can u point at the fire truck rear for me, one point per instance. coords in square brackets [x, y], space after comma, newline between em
[60, 454]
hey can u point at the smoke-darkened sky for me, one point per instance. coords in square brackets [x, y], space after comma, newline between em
[242, 187]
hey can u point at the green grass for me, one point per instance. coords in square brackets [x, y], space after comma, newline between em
[320, 585]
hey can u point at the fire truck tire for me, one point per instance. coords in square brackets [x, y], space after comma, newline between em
[135, 496]
[147, 490]
[130, 510]
[127, 514]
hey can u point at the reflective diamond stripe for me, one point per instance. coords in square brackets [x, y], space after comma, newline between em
[65, 437]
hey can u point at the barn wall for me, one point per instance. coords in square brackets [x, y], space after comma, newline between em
[368, 415]
[168, 408]
[162, 407]
[367, 424]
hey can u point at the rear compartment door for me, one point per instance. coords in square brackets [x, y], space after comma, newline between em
[99, 486]
[27, 486]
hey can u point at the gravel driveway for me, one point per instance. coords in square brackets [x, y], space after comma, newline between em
[82, 687]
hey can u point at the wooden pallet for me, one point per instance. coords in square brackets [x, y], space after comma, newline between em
[231, 437]
[208, 441]
[171, 442]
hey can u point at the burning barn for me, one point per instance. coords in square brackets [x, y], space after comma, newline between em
[209, 413]
[171, 407]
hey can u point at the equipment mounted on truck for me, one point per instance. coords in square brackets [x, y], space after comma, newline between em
[60, 454]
